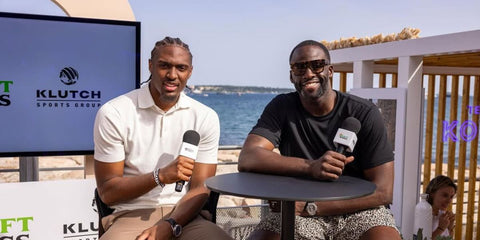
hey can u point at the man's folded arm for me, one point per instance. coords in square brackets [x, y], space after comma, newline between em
[257, 155]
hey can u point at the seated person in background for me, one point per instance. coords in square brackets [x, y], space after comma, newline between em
[303, 124]
[441, 191]
[137, 140]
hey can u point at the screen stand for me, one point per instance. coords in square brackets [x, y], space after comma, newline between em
[28, 168]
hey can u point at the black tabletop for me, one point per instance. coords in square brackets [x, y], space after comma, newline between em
[274, 187]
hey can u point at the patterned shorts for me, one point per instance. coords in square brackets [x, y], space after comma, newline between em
[345, 227]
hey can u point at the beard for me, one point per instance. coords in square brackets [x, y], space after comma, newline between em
[313, 92]
[169, 97]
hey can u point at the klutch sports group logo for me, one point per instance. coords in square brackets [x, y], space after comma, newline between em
[59, 97]
[68, 76]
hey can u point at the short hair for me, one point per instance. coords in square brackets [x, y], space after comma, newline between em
[311, 43]
[170, 41]
[438, 182]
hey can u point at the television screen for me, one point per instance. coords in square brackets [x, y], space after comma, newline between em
[55, 73]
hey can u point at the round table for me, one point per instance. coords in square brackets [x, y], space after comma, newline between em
[288, 190]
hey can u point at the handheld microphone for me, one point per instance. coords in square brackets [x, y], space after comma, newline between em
[189, 149]
[346, 136]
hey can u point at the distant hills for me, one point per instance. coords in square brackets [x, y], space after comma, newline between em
[226, 89]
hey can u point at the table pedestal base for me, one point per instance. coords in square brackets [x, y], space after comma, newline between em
[288, 220]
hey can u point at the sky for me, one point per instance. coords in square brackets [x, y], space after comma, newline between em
[247, 43]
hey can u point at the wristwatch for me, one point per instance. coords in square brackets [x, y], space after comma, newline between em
[176, 228]
[311, 208]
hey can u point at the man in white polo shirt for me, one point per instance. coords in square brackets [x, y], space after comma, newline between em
[137, 141]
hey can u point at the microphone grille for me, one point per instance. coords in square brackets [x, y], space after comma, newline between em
[352, 124]
[192, 137]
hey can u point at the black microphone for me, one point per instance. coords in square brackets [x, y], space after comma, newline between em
[346, 136]
[189, 149]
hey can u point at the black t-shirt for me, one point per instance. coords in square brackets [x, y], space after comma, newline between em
[297, 133]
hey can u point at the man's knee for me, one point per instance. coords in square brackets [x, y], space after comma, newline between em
[381, 232]
[201, 228]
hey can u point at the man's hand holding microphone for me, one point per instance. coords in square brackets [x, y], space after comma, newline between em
[181, 169]
[331, 164]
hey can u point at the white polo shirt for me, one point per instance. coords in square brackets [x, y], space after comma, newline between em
[133, 129]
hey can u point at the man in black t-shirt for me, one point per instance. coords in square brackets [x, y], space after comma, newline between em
[302, 125]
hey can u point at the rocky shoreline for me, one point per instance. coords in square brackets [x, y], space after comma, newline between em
[224, 156]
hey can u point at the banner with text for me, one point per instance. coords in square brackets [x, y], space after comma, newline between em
[48, 210]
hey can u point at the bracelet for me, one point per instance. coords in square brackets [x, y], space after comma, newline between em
[157, 179]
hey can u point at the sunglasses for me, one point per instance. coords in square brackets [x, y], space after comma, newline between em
[317, 66]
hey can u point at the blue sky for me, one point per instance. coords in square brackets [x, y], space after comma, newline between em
[247, 42]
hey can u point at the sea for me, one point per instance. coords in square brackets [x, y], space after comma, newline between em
[238, 113]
